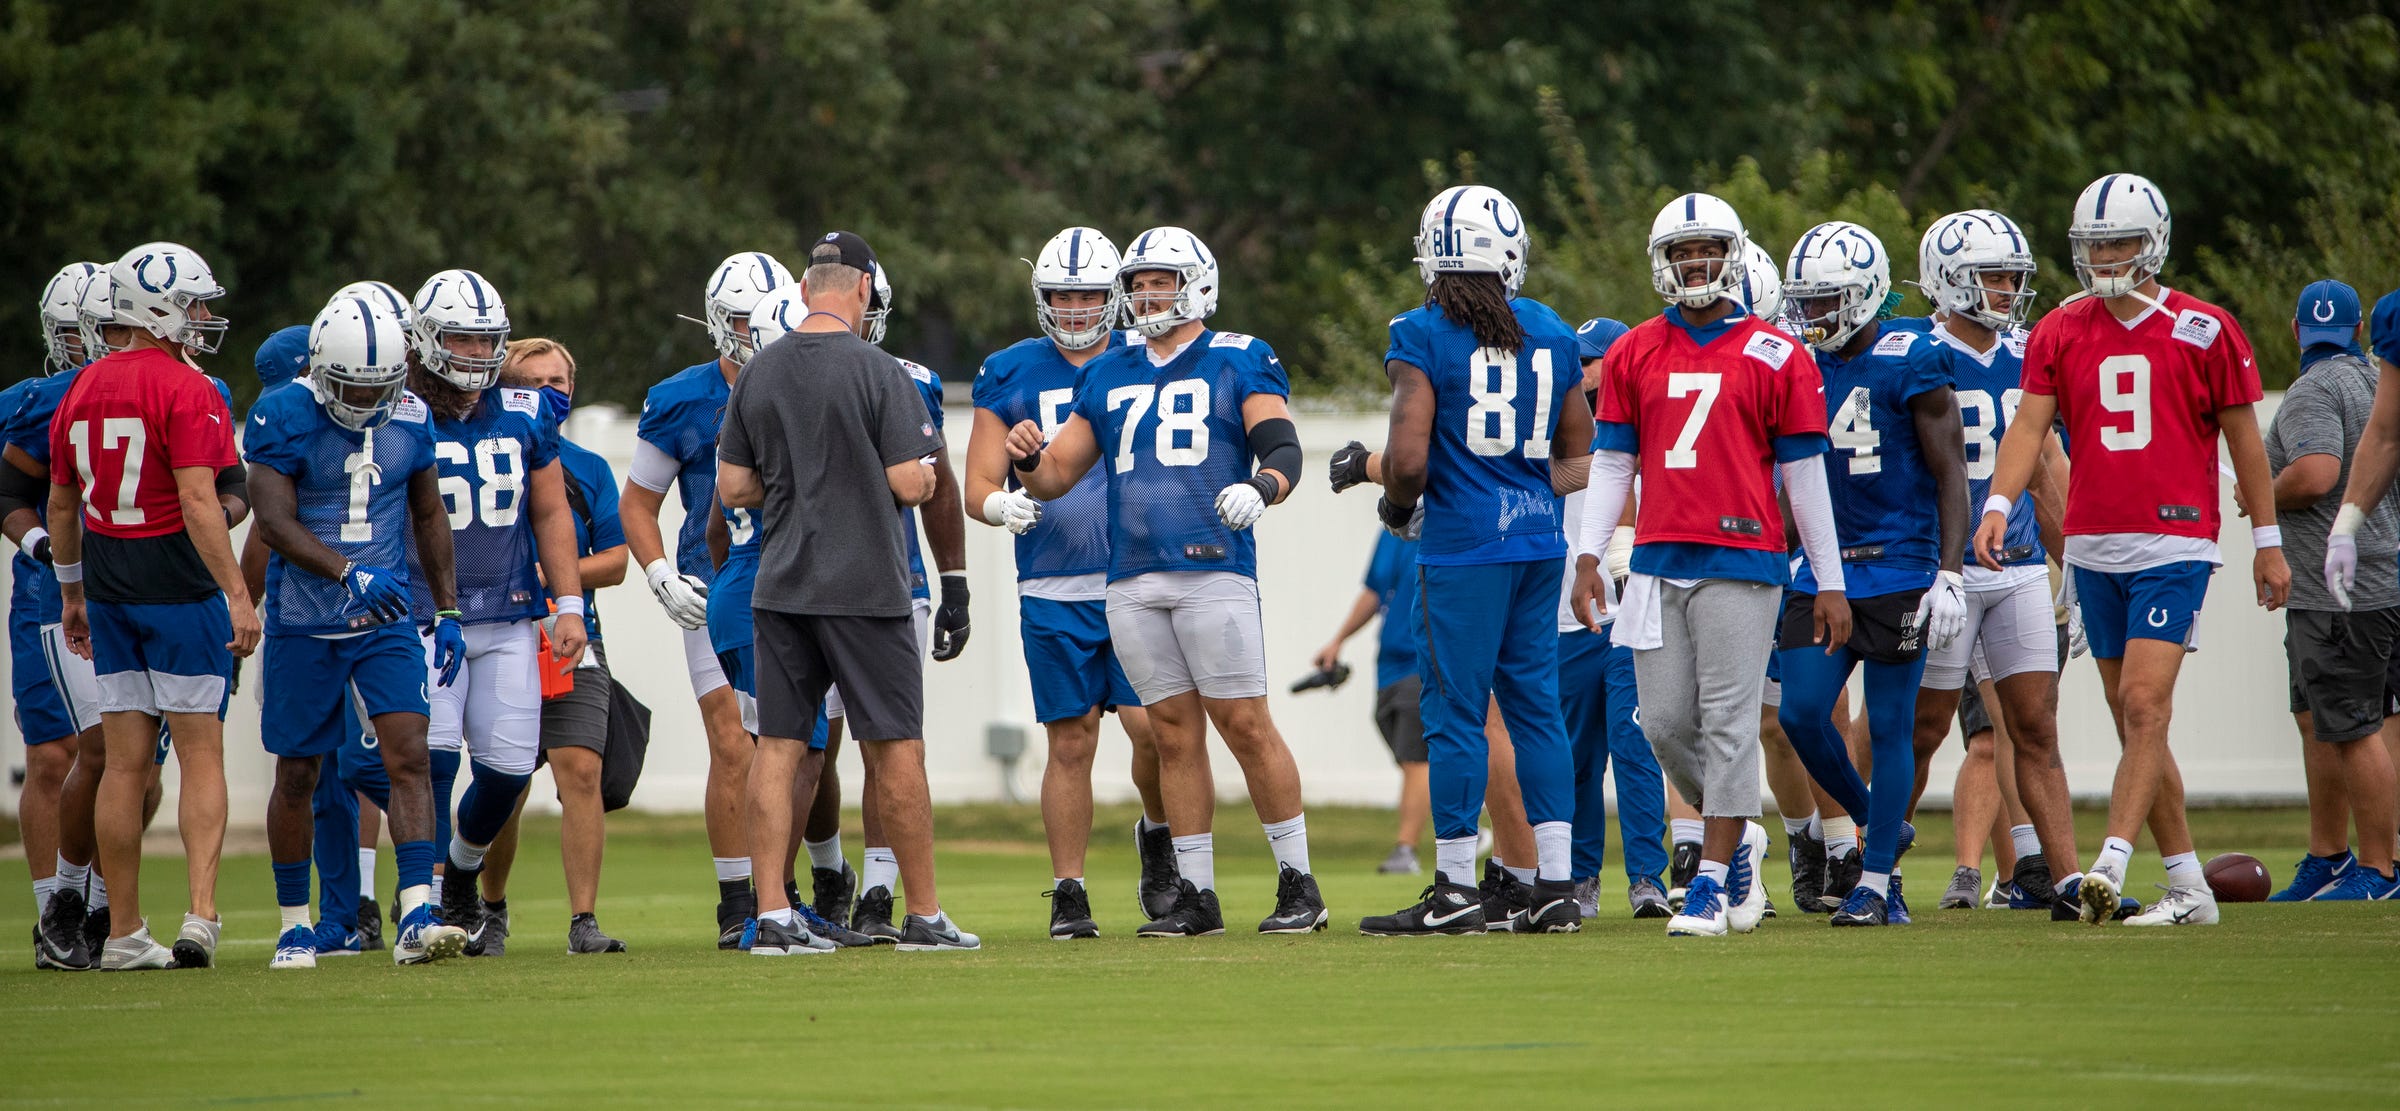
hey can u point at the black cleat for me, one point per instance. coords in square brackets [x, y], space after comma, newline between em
[493, 940]
[1161, 884]
[584, 936]
[733, 913]
[462, 903]
[1808, 872]
[2032, 877]
[370, 925]
[1767, 911]
[1504, 898]
[1863, 908]
[1842, 873]
[1299, 909]
[873, 916]
[1682, 865]
[842, 937]
[1195, 914]
[95, 932]
[1444, 908]
[1550, 908]
[1071, 912]
[832, 890]
[58, 938]
[1648, 901]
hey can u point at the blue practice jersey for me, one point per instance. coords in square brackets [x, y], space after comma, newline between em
[729, 621]
[592, 489]
[1987, 400]
[486, 461]
[1884, 501]
[1392, 575]
[1487, 470]
[26, 575]
[1171, 438]
[358, 511]
[1031, 381]
[680, 417]
[929, 387]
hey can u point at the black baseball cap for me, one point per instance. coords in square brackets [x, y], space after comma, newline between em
[844, 247]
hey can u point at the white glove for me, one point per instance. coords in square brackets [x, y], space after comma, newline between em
[1012, 511]
[684, 597]
[2341, 554]
[1620, 552]
[1240, 506]
[2077, 642]
[1942, 612]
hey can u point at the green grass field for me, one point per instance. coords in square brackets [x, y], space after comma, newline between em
[1963, 1009]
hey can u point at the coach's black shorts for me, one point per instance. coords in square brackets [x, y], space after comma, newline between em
[1973, 716]
[1396, 715]
[2342, 669]
[875, 660]
[1882, 628]
[579, 718]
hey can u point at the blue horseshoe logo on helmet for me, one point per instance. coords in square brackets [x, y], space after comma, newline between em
[141, 273]
[1500, 221]
[1951, 237]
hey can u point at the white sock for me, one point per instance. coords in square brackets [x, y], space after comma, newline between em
[1687, 830]
[1146, 825]
[883, 869]
[292, 916]
[1057, 882]
[2183, 870]
[434, 889]
[413, 897]
[1554, 849]
[1716, 871]
[1841, 836]
[786, 917]
[463, 855]
[1816, 824]
[1454, 858]
[1799, 827]
[1878, 882]
[98, 896]
[1523, 875]
[72, 877]
[730, 868]
[366, 873]
[1196, 860]
[43, 888]
[2115, 854]
[826, 854]
[1289, 839]
[2023, 838]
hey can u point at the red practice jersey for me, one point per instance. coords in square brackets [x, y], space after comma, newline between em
[129, 421]
[1705, 421]
[2140, 402]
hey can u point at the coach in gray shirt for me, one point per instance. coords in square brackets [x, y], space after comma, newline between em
[824, 433]
[2342, 680]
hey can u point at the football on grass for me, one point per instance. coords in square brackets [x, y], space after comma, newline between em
[2238, 878]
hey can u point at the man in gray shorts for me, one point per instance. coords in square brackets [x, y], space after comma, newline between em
[826, 434]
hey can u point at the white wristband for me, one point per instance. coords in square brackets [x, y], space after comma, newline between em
[69, 572]
[572, 603]
[2268, 536]
[991, 508]
[2346, 521]
[2000, 505]
[33, 536]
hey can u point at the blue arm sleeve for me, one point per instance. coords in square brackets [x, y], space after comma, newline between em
[1616, 436]
[1792, 449]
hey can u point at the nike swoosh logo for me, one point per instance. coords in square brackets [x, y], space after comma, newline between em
[262, 418]
[1453, 916]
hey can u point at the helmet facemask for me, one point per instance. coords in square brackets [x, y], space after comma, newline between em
[2148, 258]
[1698, 282]
[1178, 310]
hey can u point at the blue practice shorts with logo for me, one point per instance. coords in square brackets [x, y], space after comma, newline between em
[1067, 651]
[741, 673]
[163, 658]
[2161, 603]
[308, 678]
[41, 714]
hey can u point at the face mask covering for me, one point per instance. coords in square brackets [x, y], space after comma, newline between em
[556, 402]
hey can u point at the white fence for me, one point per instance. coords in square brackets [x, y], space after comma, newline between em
[2232, 735]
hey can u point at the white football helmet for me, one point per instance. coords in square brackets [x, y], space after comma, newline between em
[879, 306]
[2120, 206]
[1697, 216]
[154, 287]
[459, 303]
[1956, 254]
[95, 309]
[1170, 248]
[776, 315]
[382, 294]
[62, 336]
[358, 360]
[1078, 258]
[1473, 229]
[733, 291]
[1836, 259]
[1762, 287]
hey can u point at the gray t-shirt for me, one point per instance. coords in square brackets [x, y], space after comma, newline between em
[2324, 413]
[819, 415]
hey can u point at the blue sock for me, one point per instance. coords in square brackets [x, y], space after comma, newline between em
[444, 764]
[291, 884]
[491, 797]
[1891, 727]
[1812, 682]
[416, 862]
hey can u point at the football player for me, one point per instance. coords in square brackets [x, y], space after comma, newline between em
[2147, 379]
[1062, 573]
[1179, 419]
[1706, 400]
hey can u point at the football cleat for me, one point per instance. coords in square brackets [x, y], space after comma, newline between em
[769, 938]
[919, 934]
[1960, 895]
[841, 936]
[1807, 856]
[1195, 914]
[1682, 865]
[1299, 909]
[1587, 897]
[59, 937]
[2360, 884]
[196, 944]
[1647, 900]
[873, 916]
[1703, 913]
[1768, 911]
[1745, 888]
[732, 912]
[1841, 874]
[1160, 884]
[2098, 895]
[337, 940]
[831, 891]
[1071, 912]
[95, 929]
[1402, 862]
[2311, 877]
[493, 940]
[2067, 906]
[462, 905]
[135, 952]
[2181, 906]
[370, 925]
[1551, 910]
[1504, 897]
[1444, 908]
[422, 939]
[2032, 877]
[584, 936]
[1895, 905]
[297, 948]
[1863, 908]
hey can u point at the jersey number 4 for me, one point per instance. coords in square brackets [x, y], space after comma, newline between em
[497, 498]
[114, 432]
[1183, 408]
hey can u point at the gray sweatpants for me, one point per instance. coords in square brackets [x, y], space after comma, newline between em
[1700, 690]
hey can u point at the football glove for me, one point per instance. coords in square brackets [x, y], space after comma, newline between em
[1349, 466]
[1942, 612]
[449, 649]
[2341, 554]
[376, 591]
[950, 621]
[1241, 505]
[1404, 521]
[684, 597]
[1012, 511]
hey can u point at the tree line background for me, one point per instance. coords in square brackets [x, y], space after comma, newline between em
[595, 158]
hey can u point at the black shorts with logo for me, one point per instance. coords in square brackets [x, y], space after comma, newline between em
[1882, 628]
[2342, 670]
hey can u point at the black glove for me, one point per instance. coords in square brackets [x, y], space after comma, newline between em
[950, 621]
[1349, 466]
[1403, 521]
[1332, 678]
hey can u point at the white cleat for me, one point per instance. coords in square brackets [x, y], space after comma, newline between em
[297, 948]
[2181, 906]
[135, 952]
[2099, 893]
[423, 940]
[1750, 859]
[1703, 913]
[196, 946]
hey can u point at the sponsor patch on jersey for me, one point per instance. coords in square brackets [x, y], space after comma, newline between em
[2197, 328]
[1895, 343]
[1229, 339]
[2015, 342]
[920, 373]
[1770, 349]
[410, 408]
[522, 401]
[1135, 339]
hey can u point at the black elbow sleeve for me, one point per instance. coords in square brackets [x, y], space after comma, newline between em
[234, 480]
[1276, 446]
[19, 490]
